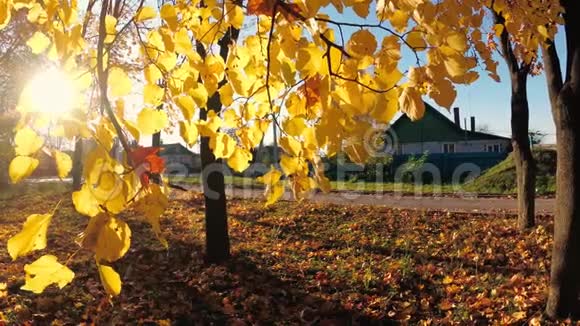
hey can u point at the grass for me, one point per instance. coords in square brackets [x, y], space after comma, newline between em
[498, 180]
[292, 263]
[501, 179]
[240, 182]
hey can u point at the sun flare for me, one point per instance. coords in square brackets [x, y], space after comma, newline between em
[49, 91]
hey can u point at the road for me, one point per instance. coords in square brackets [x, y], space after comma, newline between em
[451, 203]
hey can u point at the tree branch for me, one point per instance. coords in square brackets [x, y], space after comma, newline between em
[103, 82]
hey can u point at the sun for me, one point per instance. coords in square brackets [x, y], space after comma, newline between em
[49, 91]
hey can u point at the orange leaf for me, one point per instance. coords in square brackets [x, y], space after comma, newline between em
[266, 7]
[260, 7]
[146, 162]
[311, 90]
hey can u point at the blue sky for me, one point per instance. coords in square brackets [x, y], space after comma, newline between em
[487, 100]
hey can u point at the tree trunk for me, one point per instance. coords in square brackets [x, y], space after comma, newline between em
[77, 169]
[156, 140]
[564, 94]
[217, 241]
[565, 271]
[524, 160]
[3, 174]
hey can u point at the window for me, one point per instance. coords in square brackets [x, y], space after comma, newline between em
[493, 148]
[448, 148]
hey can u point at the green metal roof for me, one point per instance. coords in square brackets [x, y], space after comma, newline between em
[434, 126]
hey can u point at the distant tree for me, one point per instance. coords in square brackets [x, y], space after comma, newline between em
[536, 137]
[483, 128]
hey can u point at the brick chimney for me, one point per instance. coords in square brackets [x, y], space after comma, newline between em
[456, 116]
[472, 124]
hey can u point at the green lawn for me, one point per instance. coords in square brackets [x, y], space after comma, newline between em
[239, 182]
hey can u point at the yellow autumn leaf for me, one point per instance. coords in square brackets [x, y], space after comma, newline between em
[498, 29]
[199, 94]
[145, 13]
[27, 142]
[111, 28]
[416, 41]
[151, 121]
[362, 43]
[399, 19]
[231, 119]
[310, 60]
[187, 106]
[152, 206]
[133, 130]
[31, 237]
[240, 159]
[386, 107]
[152, 74]
[456, 66]
[289, 164]
[183, 43]
[323, 183]
[188, 132]
[222, 145]
[38, 42]
[271, 177]
[234, 15]
[274, 193]
[411, 103]
[226, 95]
[21, 167]
[295, 126]
[167, 61]
[119, 82]
[361, 7]
[45, 271]
[85, 202]
[291, 146]
[169, 14]
[63, 163]
[5, 12]
[153, 94]
[110, 279]
[107, 236]
[444, 93]
[210, 126]
[457, 41]
[543, 31]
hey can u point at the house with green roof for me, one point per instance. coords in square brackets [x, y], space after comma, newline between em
[437, 134]
[451, 149]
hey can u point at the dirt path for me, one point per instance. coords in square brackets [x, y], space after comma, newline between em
[459, 204]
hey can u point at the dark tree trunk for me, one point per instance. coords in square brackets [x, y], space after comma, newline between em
[77, 169]
[563, 298]
[217, 241]
[520, 116]
[156, 139]
[565, 271]
[523, 158]
[3, 174]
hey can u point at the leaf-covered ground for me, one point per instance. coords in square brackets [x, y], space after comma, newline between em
[294, 263]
